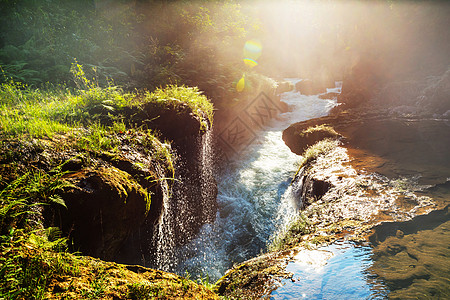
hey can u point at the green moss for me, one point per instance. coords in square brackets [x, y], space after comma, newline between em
[124, 183]
[291, 236]
[32, 267]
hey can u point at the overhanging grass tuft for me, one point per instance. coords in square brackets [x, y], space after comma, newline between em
[312, 153]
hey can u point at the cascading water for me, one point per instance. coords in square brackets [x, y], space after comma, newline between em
[181, 212]
[254, 197]
[163, 236]
[207, 174]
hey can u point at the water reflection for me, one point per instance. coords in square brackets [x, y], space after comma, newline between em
[415, 265]
[405, 260]
[338, 271]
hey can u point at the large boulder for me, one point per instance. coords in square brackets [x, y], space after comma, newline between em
[403, 145]
[361, 83]
[310, 87]
[305, 134]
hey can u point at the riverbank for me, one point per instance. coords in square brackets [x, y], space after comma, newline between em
[364, 166]
[85, 171]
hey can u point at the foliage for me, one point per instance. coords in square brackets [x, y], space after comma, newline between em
[173, 96]
[312, 153]
[35, 265]
[28, 111]
[44, 37]
[29, 260]
[19, 197]
[135, 43]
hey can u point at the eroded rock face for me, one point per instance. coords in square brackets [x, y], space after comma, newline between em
[104, 207]
[191, 196]
[389, 145]
[194, 190]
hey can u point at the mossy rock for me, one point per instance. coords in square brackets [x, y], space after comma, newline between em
[103, 207]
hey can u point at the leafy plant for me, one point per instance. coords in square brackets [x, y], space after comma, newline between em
[28, 262]
[33, 188]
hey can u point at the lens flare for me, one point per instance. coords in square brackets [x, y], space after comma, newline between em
[250, 62]
[241, 84]
[252, 51]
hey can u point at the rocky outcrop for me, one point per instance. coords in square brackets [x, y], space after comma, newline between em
[299, 138]
[193, 189]
[284, 86]
[104, 206]
[386, 169]
[407, 146]
[107, 196]
[309, 87]
[314, 87]
[112, 194]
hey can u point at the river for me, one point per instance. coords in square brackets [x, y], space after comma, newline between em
[254, 201]
[254, 198]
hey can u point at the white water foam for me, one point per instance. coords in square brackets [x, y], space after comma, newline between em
[254, 196]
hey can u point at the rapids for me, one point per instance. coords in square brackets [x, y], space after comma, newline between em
[254, 198]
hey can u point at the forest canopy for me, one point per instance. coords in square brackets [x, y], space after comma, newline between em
[147, 44]
[136, 44]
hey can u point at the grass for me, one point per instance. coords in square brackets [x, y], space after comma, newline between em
[320, 128]
[87, 123]
[30, 112]
[313, 152]
[173, 96]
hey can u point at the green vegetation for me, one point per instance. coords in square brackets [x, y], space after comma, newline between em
[320, 128]
[312, 153]
[30, 261]
[136, 44]
[27, 111]
[173, 95]
[35, 265]
[292, 234]
[90, 125]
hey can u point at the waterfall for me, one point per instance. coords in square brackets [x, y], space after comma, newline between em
[190, 202]
[254, 196]
[207, 175]
[164, 235]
